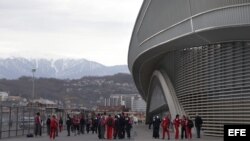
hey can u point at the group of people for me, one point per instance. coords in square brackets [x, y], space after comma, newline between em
[114, 126]
[118, 125]
[183, 124]
[53, 125]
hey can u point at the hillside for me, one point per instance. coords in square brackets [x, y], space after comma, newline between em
[86, 91]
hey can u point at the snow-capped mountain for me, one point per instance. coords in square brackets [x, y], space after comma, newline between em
[13, 68]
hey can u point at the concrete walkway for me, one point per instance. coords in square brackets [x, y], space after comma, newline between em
[138, 133]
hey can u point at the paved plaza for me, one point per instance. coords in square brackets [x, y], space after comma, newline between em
[139, 133]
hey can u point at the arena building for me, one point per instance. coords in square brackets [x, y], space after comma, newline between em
[193, 56]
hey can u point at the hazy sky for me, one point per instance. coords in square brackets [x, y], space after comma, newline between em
[97, 30]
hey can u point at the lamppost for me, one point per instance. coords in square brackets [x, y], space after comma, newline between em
[33, 88]
[33, 70]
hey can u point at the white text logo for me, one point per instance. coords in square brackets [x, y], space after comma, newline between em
[236, 132]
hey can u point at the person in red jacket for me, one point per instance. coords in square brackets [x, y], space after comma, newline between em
[177, 123]
[110, 125]
[38, 125]
[165, 126]
[53, 127]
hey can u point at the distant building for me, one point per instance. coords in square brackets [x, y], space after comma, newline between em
[139, 105]
[111, 109]
[7, 100]
[14, 98]
[132, 101]
[114, 100]
[15, 101]
[3, 96]
[42, 103]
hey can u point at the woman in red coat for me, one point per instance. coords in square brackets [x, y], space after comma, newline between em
[165, 127]
[110, 125]
[53, 127]
[177, 123]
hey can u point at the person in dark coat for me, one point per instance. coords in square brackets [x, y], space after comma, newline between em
[121, 131]
[60, 124]
[150, 122]
[68, 123]
[198, 124]
[94, 125]
[156, 127]
[183, 127]
[48, 125]
[99, 126]
[82, 124]
[128, 125]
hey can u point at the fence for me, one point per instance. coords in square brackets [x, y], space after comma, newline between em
[19, 121]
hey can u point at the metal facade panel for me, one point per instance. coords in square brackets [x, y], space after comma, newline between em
[160, 23]
[168, 35]
[160, 15]
[222, 18]
[200, 6]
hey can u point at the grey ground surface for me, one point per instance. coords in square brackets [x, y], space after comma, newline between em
[139, 133]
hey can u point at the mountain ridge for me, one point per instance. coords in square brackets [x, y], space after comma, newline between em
[65, 68]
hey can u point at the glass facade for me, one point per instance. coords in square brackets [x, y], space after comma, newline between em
[158, 99]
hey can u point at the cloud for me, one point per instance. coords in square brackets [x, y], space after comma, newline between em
[90, 29]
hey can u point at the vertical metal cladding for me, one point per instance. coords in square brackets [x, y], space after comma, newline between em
[214, 81]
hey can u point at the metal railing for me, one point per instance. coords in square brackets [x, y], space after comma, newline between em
[19, 121]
